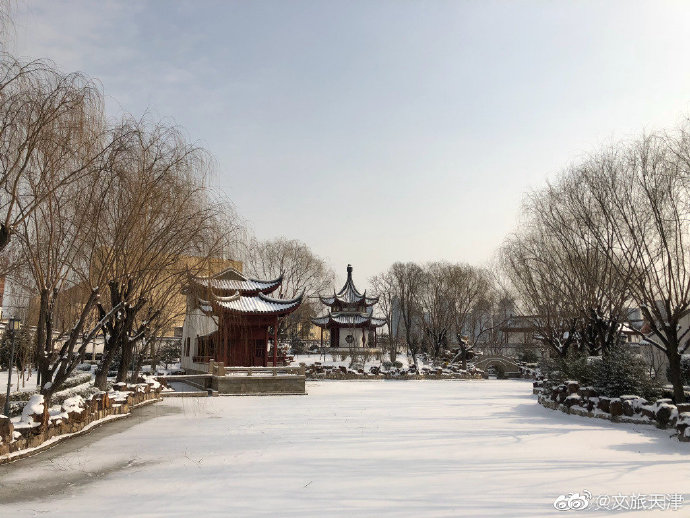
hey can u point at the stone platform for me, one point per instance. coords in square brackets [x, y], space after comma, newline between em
[240, 381]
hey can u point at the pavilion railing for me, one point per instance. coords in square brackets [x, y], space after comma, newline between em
[218, 369]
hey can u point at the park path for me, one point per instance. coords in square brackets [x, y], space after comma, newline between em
[385, 448]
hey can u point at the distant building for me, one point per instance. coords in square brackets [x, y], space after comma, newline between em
[518, 337]
[350, 321]
[230, 319]
[71, 301]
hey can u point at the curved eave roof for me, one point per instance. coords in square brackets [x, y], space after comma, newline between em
[349, 295]
[256, 305]
[204, 306]
[343, 319]
[348, 300]
[245, 287]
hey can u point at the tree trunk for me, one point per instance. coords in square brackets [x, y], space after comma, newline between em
[4, 236]
[675, 374]
[154, 358]
[42, 362]
[125, 360]
[104, 365]
[45, 418]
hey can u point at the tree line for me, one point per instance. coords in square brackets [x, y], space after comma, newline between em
[102, 222]
[428, 307]
[96, 215]
[609, 236]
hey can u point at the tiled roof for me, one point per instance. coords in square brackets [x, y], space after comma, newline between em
[260, 303]
[349, 295]
[348, 319]
[244, 286]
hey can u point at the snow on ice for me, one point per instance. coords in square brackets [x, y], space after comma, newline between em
[385, 448]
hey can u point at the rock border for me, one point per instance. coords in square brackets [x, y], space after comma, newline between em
[98, 409]
[318, 372]
[570, 398]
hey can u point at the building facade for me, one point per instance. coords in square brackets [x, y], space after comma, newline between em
[232, 319]
[350, 322]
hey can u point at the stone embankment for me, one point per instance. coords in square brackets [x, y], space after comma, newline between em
[317, 371]
[74, 415]
[570, 398]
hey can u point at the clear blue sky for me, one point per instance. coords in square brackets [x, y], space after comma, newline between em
[382, 130]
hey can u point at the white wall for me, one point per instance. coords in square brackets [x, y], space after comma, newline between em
[196, 323]
[357, 333]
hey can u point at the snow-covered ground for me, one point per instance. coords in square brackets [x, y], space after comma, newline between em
[17, 384]
[385, 448]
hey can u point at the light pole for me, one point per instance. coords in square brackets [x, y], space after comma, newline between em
[13, 325]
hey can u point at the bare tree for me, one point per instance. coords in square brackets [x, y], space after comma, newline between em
[611, 232]
[640, 192]
[156, 211]
[473, 296]
[538, 285]
[384, 287]
[302, 271]
[409, 282]
[438, 303]
[590, 272]
[44, 116]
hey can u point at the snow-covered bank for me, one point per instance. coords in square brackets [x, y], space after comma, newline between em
[23, 435]
[570, 398]
[426, 448]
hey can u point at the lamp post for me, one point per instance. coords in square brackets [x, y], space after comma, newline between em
[13, 325]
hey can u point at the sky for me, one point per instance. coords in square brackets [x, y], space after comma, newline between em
[380, 131]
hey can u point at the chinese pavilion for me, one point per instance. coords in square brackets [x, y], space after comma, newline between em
[349, 319]
[228, 319]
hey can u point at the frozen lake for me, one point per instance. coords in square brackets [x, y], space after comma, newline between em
[406, 448]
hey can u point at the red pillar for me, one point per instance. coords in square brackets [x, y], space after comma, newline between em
[275, 343]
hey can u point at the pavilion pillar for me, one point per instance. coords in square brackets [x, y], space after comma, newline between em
[275, 343]
[375, 339]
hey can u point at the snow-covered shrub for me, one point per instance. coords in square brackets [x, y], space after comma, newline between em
[575, 365]
[528, 356]
[622, 372]
[297, 346]
[71, 382]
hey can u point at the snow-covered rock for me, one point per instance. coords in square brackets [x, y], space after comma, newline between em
[33, 410]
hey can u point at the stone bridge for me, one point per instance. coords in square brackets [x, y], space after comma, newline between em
[507, 365]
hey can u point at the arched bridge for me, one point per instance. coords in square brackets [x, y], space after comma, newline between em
[507, 365]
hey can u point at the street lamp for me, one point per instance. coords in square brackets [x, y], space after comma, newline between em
[13, 326]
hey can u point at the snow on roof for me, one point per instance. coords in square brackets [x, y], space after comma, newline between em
[244, 286]
[349, 294]
[348, 319]
[257, 304]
